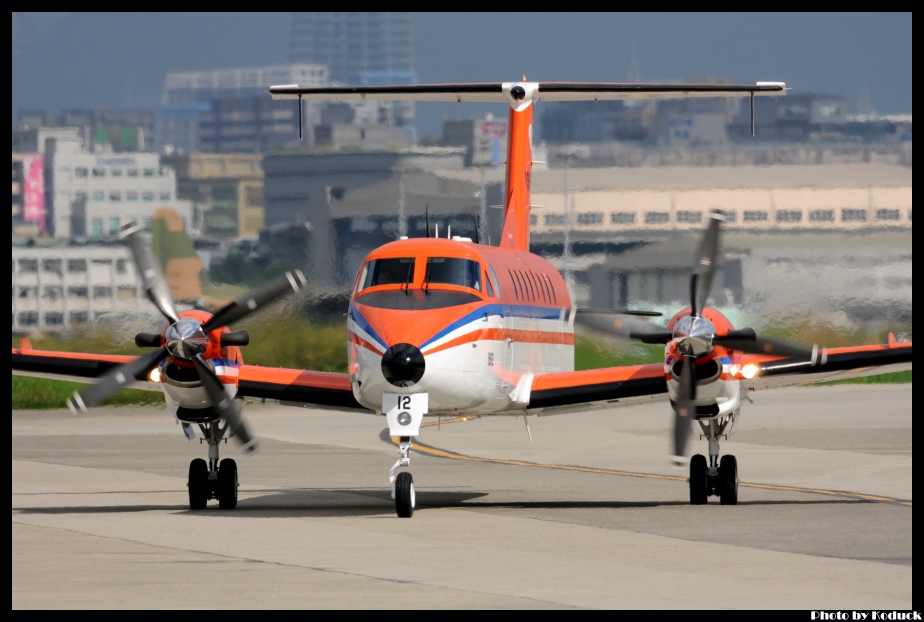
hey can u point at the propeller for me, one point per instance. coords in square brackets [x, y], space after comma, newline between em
[186, 339]
[693, 335]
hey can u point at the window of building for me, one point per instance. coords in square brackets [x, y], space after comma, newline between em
[730, 216]
[164, 196]
[554, 220]
[454, 271]
[53, 266]
[28, 266]
[76, 292]
[99, 195]
[686, 216]
[81, 172]
[132, 172]
[755, 216]
[147, 196]
[113, 225]
[149, 172]
[533, 220]
[99, 172]
[390, 271]
[102, 292]
[76, 265]
[853, 215]
[28, 318]
[789, 216]
[54, 319]
[120, 266]
[622, 218]
[96, 228]
[80, 195]
[125, 292]
[147, 223]
[821, 215]
[79, 318]
[115, 172]
[131, 195]
[657, 218]
[887, 214]
[53, 293]
[590, 218]
[115, 195]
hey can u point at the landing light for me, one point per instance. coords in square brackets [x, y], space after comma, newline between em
[404, 418]
[154, 376]
[749, 371]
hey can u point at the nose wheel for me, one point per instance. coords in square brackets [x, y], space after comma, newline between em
[723, 482]
[405, 497]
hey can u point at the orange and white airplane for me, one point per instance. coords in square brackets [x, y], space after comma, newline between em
[441, 327]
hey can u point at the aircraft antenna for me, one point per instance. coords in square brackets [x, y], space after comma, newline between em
[477, 239]
[427, 217]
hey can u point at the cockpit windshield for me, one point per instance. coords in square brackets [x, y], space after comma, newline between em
[390, 271]
[453, 271]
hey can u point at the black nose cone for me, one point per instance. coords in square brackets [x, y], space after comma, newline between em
[403, 365]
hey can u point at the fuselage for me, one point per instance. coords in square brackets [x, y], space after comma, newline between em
[468, 324]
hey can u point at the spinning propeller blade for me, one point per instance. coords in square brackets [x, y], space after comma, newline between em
[116, 380]
[623, 325]
[746, 340]
[256, 299]
[152, 279]
[224, 404]
[685, 408]
[704, 267]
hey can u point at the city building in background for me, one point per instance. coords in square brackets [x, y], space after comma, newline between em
[190, 95]
[226, 191]
[119, 130]
[484, 139]
[91, 194]
[360, 48]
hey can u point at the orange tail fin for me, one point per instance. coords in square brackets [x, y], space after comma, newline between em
[519, 170]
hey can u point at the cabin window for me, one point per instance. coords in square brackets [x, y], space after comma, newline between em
[551, 288]
[390, 271]
[516, 286]
[454, 271]
[494, 282]
[488, 286]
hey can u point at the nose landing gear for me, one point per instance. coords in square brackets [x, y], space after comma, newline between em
[402, 485]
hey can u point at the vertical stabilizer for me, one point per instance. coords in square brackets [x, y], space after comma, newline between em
[522, 97]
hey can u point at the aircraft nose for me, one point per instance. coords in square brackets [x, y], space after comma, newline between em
[403, 365]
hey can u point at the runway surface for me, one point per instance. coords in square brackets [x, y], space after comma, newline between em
[590, 513]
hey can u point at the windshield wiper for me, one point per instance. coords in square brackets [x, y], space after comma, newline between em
[407, 279]
[427, 278]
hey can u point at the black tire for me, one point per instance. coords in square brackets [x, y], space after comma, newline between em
[728, 480]
[699, 474]
[405, 497]
[227, 484]
[198, 484]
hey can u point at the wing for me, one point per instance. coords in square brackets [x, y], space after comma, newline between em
[298, 387]
[838, 364]
[610, 387]
[293, 387]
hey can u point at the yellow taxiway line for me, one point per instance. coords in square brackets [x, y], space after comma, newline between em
[451, 455]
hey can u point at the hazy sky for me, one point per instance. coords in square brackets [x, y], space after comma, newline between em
[73, 60]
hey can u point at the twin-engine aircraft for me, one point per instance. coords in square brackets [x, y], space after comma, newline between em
[450, 327]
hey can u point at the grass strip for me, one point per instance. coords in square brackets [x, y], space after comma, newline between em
[43, 394]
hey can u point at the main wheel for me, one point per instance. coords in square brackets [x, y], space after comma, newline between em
[699, 474]
[198, 484]
[728, 480]
[405, 498]
[227, 484]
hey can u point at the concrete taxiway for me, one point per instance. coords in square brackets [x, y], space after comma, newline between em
[590, 513]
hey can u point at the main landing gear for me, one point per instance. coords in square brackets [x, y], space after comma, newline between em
[714, 478]
[402, 485]
[213, 480]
